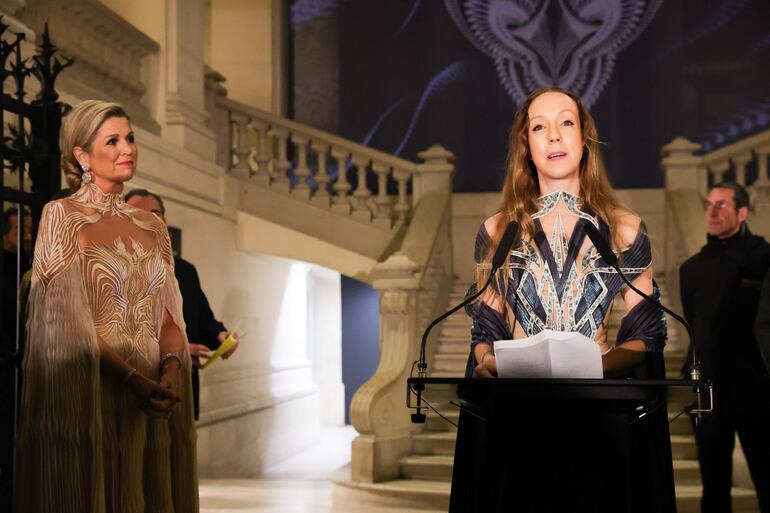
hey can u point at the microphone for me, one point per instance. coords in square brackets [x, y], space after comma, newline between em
[498, 260]
[604, 249]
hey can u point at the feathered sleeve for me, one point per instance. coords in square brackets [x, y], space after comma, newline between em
[60, 425]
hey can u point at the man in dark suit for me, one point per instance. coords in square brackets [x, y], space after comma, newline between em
[204, 332]
[720, 289]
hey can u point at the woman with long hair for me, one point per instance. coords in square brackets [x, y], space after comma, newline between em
[555, 279]
[106, 413]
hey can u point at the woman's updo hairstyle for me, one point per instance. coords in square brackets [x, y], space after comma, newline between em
[78, 129]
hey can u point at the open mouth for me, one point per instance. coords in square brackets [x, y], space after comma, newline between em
[556, 155]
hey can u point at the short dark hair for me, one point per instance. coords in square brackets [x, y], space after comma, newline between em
[144, 193]
[740, 195]
[8, 214]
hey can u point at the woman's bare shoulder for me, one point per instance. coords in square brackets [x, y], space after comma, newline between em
[495, 226]
[627, 225]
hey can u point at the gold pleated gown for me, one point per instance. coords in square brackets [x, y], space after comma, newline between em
[102, 270]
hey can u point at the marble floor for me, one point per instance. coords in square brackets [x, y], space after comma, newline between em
[298, 485]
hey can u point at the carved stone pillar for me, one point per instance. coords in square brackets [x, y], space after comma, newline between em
[378, 411]
[681, 167]
[185, 108]
[762, 183]
[435, 174]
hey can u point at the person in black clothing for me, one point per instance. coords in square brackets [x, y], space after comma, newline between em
[720, 288]
[762, 327]
[11, 253]
[204, 331]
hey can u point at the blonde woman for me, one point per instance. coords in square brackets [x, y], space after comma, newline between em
[555, 279]
[106, 419]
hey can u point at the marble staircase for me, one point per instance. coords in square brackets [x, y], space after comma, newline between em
[426, 472]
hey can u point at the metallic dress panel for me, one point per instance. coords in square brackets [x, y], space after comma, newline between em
[559, 281]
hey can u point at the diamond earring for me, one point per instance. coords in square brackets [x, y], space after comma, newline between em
[86, 176]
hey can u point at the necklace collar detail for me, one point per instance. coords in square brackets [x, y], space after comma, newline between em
[91, 195]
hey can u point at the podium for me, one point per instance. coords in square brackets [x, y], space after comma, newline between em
[559, 445]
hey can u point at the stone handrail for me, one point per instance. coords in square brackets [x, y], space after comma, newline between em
[413, 284]
[685, 168]
[259, 149]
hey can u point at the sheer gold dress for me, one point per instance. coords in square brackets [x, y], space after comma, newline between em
[102, 270]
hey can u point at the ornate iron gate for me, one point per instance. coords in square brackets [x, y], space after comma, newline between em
[29, 153]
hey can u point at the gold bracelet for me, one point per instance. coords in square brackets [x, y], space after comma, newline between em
[169, 356]
[128, 375]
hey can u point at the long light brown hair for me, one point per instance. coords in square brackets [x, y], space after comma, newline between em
[522, 187]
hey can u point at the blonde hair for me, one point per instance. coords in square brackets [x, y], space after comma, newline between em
[522, 187]
[78, 129]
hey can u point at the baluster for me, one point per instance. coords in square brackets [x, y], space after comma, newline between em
[718, 170]
[263, 158]
[321, 195]
[362, 194]
[241, 150]
[740, 162]
[402, 207]
[762, 183]
[302, 172]
[281, 164]
[341, 202]
[382, 214]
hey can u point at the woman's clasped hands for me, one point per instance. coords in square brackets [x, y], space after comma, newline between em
[157, 398]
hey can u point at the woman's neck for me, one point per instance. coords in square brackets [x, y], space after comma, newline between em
[551, 185]
[108, 187]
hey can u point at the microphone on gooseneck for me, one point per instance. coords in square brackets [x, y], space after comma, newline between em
[604, 249]
[498, 260]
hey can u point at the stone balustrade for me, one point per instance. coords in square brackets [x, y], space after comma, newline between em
[744, 161]
[414, 285]
[329, 171]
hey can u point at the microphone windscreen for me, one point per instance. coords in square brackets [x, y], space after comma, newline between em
[506, 242]
[599, 242]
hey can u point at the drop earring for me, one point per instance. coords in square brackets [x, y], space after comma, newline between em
[86, 176]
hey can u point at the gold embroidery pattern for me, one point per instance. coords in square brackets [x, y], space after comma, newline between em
[123, 284]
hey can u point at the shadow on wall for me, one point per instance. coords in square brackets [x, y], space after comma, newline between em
[360, 336]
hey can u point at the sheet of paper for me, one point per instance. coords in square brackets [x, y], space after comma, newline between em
[549, 354]
[523, 358]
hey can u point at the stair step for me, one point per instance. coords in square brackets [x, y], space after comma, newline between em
[686, 472]
[450, 362]
[456, 331]
[403, 495]
[688, 499]
[434, 423]
[432, 467]
[681, 426]
[463, 323]
[435, 494]
[447, 374]
[453, 348]
[683, 447]
[442, 443]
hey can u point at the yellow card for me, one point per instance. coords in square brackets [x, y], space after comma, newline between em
[222, 349]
